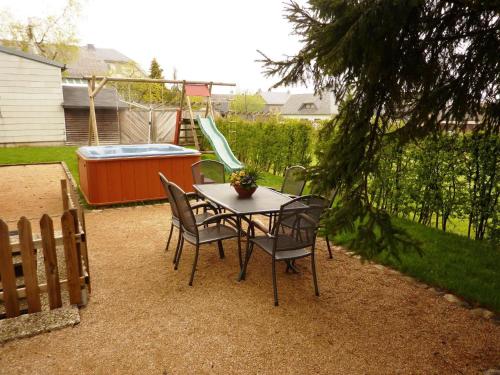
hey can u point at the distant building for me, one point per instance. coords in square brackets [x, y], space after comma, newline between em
[30, 99]
[274, 100]
[222, 103]
[103, 61]
[309, 106]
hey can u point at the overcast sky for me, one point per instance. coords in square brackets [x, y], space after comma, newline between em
[212, 40]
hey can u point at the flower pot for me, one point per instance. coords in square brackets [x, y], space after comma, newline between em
[244, 193]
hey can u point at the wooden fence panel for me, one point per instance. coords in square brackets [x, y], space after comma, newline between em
[7, 273]
[28, 256]
[50, 260]
[164, 126]
[134, 126]
[73, 264]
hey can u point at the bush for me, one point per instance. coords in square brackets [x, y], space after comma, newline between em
[270, 144]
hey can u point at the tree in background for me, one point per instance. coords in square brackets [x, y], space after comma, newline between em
[54, 37]
[246, 103]
[154, 70]
[401, 70]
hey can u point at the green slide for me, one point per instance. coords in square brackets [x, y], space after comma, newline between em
[219, 143]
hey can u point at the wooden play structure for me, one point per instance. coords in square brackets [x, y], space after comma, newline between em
[189, 90]
[20, 252]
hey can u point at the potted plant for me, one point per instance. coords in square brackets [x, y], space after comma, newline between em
[244, 182]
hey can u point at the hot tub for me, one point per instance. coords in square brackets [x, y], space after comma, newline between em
[129, 173]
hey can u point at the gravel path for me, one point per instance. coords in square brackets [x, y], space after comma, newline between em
[143, 318]
[31, 191]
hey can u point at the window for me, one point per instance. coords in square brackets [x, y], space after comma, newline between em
[308, 106]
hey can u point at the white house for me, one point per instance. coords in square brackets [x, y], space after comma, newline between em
[310, 107]
[31, 99]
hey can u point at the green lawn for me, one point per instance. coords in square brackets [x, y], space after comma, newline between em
[22, 155]
[468, 268]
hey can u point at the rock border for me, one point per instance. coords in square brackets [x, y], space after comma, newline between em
[451, 298]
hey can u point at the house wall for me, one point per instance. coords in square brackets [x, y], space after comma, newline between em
[30, 102]
[309, 117]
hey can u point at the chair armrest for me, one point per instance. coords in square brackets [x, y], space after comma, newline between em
[193, 195]
[308, 218]
[204, 204]
[260, 226]
[216, 218]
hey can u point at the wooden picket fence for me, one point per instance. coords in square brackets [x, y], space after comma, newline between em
[22, 243]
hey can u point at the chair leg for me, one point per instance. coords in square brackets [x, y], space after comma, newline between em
[247, 258]
[328, 247]
[239, 253]
[275, 287]
[179, 239]
[315, 278]
[177, 260]
[194, 265]
[221, 249]
[169, 236]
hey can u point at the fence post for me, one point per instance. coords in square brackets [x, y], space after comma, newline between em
[71, 255]
[82, 247]
[7, 273]
[64, 193]
[28, 257]
[50, 260]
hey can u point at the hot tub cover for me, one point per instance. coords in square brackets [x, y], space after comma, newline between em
[131, 151]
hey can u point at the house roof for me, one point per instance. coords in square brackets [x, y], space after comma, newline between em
[92, 60]
[30, 56]
[310, 104]
[274, 98]
[78, 97]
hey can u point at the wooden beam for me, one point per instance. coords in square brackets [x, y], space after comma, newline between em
[90, 90]
[193, 129]
[100, 86]
[93, 118]
[152, 80]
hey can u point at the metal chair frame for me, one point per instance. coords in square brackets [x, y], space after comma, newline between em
[193, 232]
[299, 211]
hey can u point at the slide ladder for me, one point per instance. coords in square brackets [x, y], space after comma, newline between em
[219, 144]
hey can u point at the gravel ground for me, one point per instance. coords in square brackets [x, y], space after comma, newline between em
[31, 191]
[143, 318]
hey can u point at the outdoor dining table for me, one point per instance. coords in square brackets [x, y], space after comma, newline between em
[264, 201]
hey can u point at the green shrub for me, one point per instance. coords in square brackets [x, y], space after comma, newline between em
[270, 144]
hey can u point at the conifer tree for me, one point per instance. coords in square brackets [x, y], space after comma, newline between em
[400, 70]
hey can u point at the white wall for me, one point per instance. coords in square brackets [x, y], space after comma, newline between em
[30, 102]
[309, 117]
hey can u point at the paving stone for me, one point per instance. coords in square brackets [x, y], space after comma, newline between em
[33, 324]
[483, 313]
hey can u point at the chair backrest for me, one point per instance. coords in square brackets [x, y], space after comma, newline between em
[294, 181]
[302, 216]
[208, 172]
[173, 206]
[184, 210]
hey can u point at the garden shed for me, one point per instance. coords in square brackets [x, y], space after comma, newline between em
[30, 99]
[76, 111]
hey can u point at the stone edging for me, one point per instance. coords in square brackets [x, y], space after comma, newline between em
[477, 311]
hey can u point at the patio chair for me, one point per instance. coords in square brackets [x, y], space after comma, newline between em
[294, 242]
[294, 181]
[175, 222]
[208, 172]
[199, 233]
[293, 185]
[326, 202]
